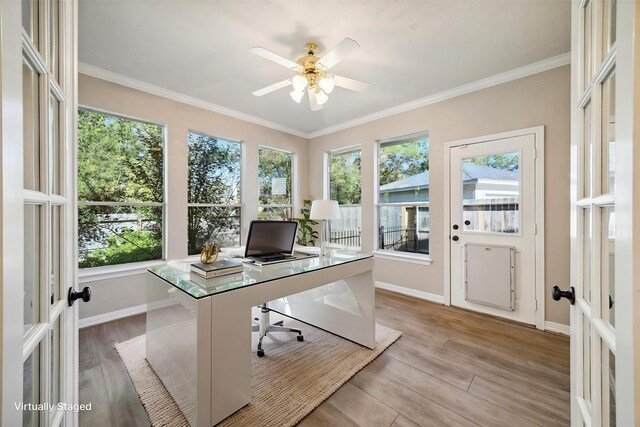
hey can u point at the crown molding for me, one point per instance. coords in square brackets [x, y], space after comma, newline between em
[132, 83]
[515, 74]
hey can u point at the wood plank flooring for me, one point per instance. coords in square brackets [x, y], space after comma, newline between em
[450, 368]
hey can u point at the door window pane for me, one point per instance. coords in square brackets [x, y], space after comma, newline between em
[586, 254]
[587, 47]
[587, 150]
[54, 13]
[608, 386]
[586, 361]
[30, 20]
[491, 193]
[54, 336]
[32, 275]
[31, 388]
[609, 25]
[31, 126]
[608, 125]
[608, 270]
[55, 149]
[56, 250]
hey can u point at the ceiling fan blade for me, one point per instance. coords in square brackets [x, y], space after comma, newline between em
[272, 88]
[338, 53]
[274, 57]
[351, 84]
[313, 102]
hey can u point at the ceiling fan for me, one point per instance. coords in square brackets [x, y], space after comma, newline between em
[312, 73]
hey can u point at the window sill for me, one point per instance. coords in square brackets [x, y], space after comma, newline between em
[404, 257]
[94, 274]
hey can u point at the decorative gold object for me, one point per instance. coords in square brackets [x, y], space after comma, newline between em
[210, 253]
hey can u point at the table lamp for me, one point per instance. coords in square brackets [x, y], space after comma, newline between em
[324, 210]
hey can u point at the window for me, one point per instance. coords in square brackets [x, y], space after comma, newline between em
[403, 194]
[274, 183]
[120, 189]
[214, 192]
[345, 187]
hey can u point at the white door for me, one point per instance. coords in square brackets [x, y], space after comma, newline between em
[601, 286]
[493, 226]
[39, 332]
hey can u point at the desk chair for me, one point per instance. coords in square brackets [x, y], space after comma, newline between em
[264, 326]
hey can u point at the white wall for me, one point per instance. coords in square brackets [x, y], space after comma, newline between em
[121, 293]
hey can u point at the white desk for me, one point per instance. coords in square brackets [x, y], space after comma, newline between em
[199, 339]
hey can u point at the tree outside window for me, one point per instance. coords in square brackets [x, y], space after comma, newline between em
[345, 187]
[120, 189]
[274, 184]
[214, 192]
[403, 194]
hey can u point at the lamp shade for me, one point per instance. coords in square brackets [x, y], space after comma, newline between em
[325, 209]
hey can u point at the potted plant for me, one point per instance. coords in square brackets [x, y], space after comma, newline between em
[306, 234]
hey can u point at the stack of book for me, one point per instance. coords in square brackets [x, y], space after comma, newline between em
[202, 273]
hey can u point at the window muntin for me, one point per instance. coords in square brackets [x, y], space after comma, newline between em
[213, 192]
[403, 194]
[345, 187]
[120, 189]
[274, 184]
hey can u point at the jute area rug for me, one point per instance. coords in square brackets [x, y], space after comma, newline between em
[288, 383]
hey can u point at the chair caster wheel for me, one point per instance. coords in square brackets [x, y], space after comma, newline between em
[300, 337]
[260, 353]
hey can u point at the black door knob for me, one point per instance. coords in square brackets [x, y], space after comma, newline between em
[455, 238]
[569, 294]
[455, 226]
[467, 222]
[84, 294]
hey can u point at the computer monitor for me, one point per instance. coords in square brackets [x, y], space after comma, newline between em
[270, 238]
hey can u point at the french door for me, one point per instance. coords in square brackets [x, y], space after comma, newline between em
[603, 372]
[39, 370]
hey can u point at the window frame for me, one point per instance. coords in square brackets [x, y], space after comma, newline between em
[414, 257]
[291, 184]
[108, 270]
[217, 205]
[327, 190]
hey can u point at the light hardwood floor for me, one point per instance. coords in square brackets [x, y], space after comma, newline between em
[451, 367]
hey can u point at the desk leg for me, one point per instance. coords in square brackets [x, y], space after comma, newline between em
[230, 354]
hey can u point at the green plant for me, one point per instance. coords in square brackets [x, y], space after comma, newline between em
[306, 234]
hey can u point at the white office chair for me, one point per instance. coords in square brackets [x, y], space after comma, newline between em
[265, 327]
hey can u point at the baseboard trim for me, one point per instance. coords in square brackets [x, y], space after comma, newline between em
[439, 299]
[557, 328]
[112, 315]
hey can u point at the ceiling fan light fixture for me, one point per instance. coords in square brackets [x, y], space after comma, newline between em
[297, 95]
[327, 84]
[321, 97]
[299, 83]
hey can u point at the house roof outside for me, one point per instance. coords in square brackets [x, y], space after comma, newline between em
[472, 173]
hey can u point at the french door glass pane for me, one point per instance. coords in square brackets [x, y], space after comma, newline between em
[608, 387]
[586, 361]
[55, 149]
[587, 44]
[32, 274]
[608, 125]
[30, 20]
[491, 193]
[609, 25]
[586, 254]
[31, 126]
[31, 388]
[587, 147]
[54, 384]
[54, 11]
[608, 264]
[56, 249]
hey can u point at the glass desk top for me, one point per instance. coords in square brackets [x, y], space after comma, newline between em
[177, 273]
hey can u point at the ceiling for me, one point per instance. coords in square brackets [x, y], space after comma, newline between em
[409, 49]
